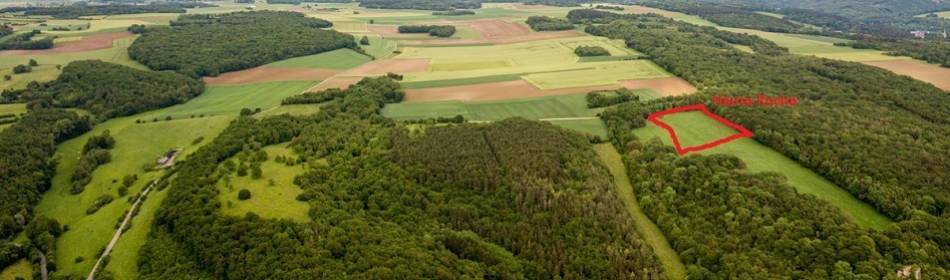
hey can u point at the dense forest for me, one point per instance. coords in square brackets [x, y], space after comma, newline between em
[237, 39]
[109, 90]
[81, 9]
[27, 164]
[546, 23]
[396, 204]
[727, 223]
[435, 5]
[878, 135]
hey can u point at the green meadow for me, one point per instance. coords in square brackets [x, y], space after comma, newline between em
[672, 265]
[695, 127]
[335, 59]
[273, 195]
[16, 109]
[218, 100]
[20, 269]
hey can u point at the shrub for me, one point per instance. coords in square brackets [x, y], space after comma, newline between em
[19, 69]
[591, 51]
[364, 41]
[244, 194]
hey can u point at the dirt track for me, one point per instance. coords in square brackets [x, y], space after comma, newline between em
[934, 74]
[87, 43]
[270, 74]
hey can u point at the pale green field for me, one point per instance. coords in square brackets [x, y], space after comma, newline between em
[277, 201]
[336, 59]
[556, 55]
[295, 110]
[568, 111]
[21, 268]
[379, 47]
[693, 127]
[350, 26]
[672, 265]
[218, 100]
[47, 70]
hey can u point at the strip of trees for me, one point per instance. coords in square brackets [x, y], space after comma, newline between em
[81, 9]
[546, 23]
[432, 30]
[241, 40]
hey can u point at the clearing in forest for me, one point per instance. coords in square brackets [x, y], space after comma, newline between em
[931, 73]
[695, 127]
[273, 195]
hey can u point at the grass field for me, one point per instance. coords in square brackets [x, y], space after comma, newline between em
[15, 109]
[19, 269]
[569, 111]
[379, 47]
[274, 201]
[218, 100]
[136, 146]
[694, 126]
[672, 265]
[47, 70]
[337, 59]
[123, 261]
[556, 58]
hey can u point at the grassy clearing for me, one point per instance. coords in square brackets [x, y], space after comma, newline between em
[47, 70]
[297, 110]
[759, 158]
[672, 265]
[379, 47]
[15, 109]
[461, 82]
[218, 100]
[569, 111]
[694, 128]
[136, 146]
[542, 58]
[19, 269]
[123, 261]
[337, 59]
[272, 196]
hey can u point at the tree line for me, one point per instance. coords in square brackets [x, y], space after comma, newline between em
[546, 23]
[109, 90]
[433, 30]
[241, 40]
[81, 9]
[25, 41]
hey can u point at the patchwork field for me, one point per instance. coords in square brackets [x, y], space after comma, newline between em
[273, 195]
[694, 127]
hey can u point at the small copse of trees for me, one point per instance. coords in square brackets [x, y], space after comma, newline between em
[433, 30]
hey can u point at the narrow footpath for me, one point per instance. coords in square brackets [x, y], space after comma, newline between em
[118, 232]
[672, 265]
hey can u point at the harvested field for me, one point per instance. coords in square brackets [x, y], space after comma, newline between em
[270, 74]
[383, 66]
[87, 43]
[492, 91]
[498, 28]
[934, 74]
[667, 86]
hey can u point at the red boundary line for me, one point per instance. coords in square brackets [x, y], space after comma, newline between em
[742, 132]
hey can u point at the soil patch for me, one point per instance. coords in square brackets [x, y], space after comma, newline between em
[270, 74]
[498, 28]
[934, 74]
[383, 66]
[492, 91]
[671, 86]
[87, 43]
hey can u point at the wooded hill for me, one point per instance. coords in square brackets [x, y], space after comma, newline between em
[109, 90]
[396, 205]
[878, 135]
[81, 9]
[241, 40]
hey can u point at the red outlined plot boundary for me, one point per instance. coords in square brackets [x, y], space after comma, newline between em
[742, 132]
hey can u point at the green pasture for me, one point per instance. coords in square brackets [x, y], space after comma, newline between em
[695, 127]
[47, 70]
[336, 59]
[672, 265]
[137, 145]
[123, 261]
[273, 196]
[548, 64]
[19, 269]
[221, 100]
[379, 47]
[569, 111]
